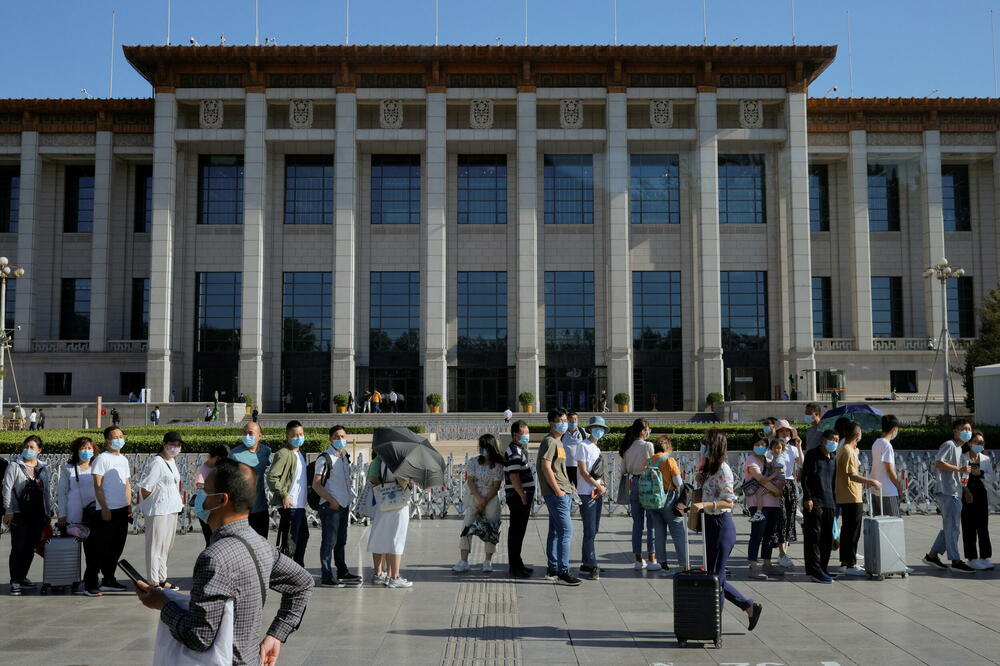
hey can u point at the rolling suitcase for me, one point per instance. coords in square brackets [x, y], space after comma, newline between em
[61, 568]
[697, 610]
[885, 544]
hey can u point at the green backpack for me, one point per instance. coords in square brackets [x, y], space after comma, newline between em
[651, 494]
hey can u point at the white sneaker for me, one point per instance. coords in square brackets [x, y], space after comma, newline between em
[487, 566]
[654, 566]
[976, 564]
[988, 563]
[640, 565]
[855, 571]
[399, 582]
[461, 566]
[786, 561]
[380, 579]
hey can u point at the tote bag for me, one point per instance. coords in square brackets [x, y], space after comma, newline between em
[168, 651]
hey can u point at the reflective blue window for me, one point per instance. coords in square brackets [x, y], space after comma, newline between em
[656, 310]
[883, 197]
[394, 317]
[220, 189]
[74, 309]
[569, 310]
[140, 309]
[822, 307]
[744, 310]
[482, 310]
[308, 189]
[482, 189]
[306, 310]
[10, 198]
[395, 189]
[961, 308]
[655, 189]
[819, 197]
[741, 189]
[218, 309]
[955, 197]
[569, 189]
[887, 307]
[78, 211]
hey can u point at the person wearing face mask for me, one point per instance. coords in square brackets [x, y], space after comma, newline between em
[332, 482]
[519, 493]
[160, 492]
[948, 491]
[78, 506]
[975, 504]
[571, 442]
[216, 453]
[814, 436]
[28, 510]
[635, 453]
[819, 506]
[113, 489]
[483, 476]
[884, 469]
[591, 486]
[848, 490]
[286, 478]
[256, 455]
[764, 532]
[792, 452]
[768, 427]
[555, 487]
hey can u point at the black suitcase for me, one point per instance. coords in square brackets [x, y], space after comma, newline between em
[697, 611]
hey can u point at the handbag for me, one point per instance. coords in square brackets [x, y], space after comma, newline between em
[366, 503]
[389, 496]
[624, 490]
[168, 651]
[693, 523]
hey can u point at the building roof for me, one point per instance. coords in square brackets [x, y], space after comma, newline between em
[909, 104]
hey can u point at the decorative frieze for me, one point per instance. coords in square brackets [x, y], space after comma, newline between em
[894, 139]
[571, 113]
[300, 114]
[828, 138]
[968, 138]
[661, 113]
[75, 139]
[751, 113]
[210, 114]
[390, 114]
[481, 114]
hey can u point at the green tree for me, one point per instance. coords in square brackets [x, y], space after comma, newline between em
[985, 349]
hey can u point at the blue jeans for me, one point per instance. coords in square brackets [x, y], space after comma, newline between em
[720, 537]
[639, 517]
[763, 534]
[664, 520]
[590, 516]
[951, 517]
[560, 533]
[334, 523]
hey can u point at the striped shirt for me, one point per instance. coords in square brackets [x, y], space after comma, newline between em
[516, 462]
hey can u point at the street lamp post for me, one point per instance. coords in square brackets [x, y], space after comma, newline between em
[942, 272]
[7, 271]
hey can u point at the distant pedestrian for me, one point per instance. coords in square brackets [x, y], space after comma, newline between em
[173, 396]
[309, 402]
[350, 402]
[41, 419]
[571, 441]
[366, 397]
[288, 401]
[154, 416]
[28, 510]
[160, 493]
[519, 485]
[604, 401]
[392, 401]
[814, 435]
[254, 414]
[208, 413]
[975, 504]
[507, 416]
[377, 402]
[483, 476]
[948, 490]
[116, 418]
[33, 420]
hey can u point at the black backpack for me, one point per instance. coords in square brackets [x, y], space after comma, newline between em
[312, 497]
[29, 500]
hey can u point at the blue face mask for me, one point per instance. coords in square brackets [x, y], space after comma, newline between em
[760, 450]
[85, 454]
[893, 436]
[965, 435]
[118, 443]
[977, 448]
[339, 444]
[832, 445]
[199, 505]
[28, 454]
[572, 426]
[767, 430]
[524, 439]
[249, 441]
[484, 452]
[298, 441]
[597, 433]
[561, 428]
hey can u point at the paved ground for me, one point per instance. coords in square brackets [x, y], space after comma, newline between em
[623, 619]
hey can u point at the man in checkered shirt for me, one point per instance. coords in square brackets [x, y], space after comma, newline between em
[238, 564]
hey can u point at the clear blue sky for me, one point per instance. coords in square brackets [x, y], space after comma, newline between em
[53, 48]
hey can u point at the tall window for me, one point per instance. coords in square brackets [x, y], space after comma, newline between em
[220, 189]
[9, 305]
[656, 310]
[744, 310]
[78, 212]
[143, 205]
[482, 189]
[74, 309]
[955, 197]
[140, 309]
[569, 189]
[218, 311]
[10, 198]
[741, 189]
[655, 189]
[394, 318]
[569, 311]
[306, 310]
[482, 310]
[308, 189]
[883, 197]
[887, 307]
[961, 308]
[58, 383]
[822, 308]
[819, 197]
[395, 189]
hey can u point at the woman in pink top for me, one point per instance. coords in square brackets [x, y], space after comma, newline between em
[764, 533]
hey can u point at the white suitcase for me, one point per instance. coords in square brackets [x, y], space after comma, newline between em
[885, 545]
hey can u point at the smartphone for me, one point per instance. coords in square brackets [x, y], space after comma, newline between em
[130, 571]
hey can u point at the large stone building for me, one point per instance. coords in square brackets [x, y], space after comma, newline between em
[664, 221]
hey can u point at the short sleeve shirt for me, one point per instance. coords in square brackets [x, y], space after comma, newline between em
[162, 481]
[587, 453]
[338, 481]
[719, 487]
[485, 476]
[637, 455]
[792, 452]
[949, 483]
[753, 463]
[668, 470]
[258, 461]
[552, 450]
[847, 491]
[882, 453]
[115, 472]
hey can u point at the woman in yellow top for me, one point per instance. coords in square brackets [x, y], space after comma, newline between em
[671, 515]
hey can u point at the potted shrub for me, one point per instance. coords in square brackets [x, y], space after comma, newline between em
[249, 403]
[622, 400]
[340, 400]
[527, 400]
[714, 398]
[434, 401]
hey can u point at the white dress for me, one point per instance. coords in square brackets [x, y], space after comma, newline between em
[388, 533]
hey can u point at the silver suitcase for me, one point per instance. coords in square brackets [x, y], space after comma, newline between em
[885, 546]
[61, 564]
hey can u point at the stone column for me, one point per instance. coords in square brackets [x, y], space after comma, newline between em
[859, 266]
[161, 274]
[618, 271]
[342, 359]
[707, 307]
[933, 231]
[28, 213]
[251, 378]
[100, 242]
[800, 355]
[435, 317]
[527, 247]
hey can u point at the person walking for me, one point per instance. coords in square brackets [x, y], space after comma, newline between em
[78, 506]
[592, 489]
[635, 452]
[377, 402]
[350, 402]
[160, 490]
[718, 498]
[819, 506]
[286, 478]
[604, 401]
[216, 453]
[507, 416]
[367, 402]
[27, 510]
[113, 490]
[849, 490]
[33, 420]
[975, 504]
[948, 491]
[116, 418]
[884, 469]
[556, 491]
[764, 533]
[256, 455]
[387, 539]
[309, 402]
[154, 416]
[571, 441]
[239, 566]
[670, 517]
[41, 419]
[519, 492]
[483, 476]
[332, 482]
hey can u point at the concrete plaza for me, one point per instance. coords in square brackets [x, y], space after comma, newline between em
[623, 619]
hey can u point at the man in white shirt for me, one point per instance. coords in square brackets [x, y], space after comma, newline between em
[33, 420]
[113, 491]
[332, 482]
[571, 441]
[507, 416]
[884, 469]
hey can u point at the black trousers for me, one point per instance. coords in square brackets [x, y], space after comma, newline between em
[975, 525]
[25, 533]
[110, 536]
[293, 533]
[817, 530]
[850, 533]
[93, 550]
[571, 473]
[519, 515]
[260, 522]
